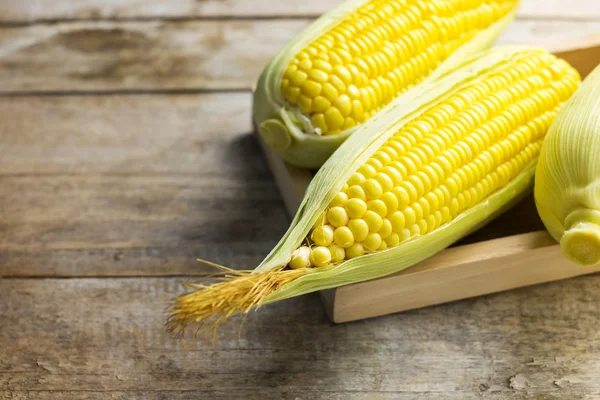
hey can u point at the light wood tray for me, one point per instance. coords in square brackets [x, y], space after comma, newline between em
[512, 251]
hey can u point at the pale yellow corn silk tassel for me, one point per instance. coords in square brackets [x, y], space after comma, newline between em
[408, 183]
[230, 293]
[567, 187]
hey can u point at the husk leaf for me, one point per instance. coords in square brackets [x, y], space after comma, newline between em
[567, 187]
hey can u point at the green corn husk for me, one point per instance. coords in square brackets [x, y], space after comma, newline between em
[241, 291]
[567, 187]
[282, 126]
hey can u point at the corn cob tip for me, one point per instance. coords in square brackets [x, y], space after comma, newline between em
[581, 241]
[275, 134]
[235, 292]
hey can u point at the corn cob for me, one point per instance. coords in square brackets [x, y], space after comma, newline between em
[356, 60]
[409, 183]
[567, 187]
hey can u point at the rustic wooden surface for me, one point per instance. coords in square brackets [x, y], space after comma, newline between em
[126, 152]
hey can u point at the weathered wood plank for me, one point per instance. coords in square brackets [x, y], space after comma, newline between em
[139, 55]
[198, 55]
[128, 185]
[105, 225]
[542, 342]
[19, 11]
[200, 134]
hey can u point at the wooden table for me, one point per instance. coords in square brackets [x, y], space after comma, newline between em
[126, 152]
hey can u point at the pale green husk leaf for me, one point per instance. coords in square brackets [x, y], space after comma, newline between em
[567, 187]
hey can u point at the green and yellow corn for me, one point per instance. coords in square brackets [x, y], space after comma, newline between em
[357, 59]
[409, 183]
[567, 183]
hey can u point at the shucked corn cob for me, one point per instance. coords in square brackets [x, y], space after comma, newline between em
[410, 182]
[567, 185]
[357, 59]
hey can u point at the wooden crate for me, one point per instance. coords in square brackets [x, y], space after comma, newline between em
[512, 251]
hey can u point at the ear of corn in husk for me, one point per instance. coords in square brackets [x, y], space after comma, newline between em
[567, 183]
[409, 182]
[353, 61]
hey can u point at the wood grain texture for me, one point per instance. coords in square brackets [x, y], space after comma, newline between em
[176, 55]
[129, 185]
[36, 10]
[540, 343]
[199, 134]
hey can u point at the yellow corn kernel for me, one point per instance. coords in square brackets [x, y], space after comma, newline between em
[373, 189]
[359, 228]
[372, 241]
[319, 105]
[310, 89]
[343, 237]
[356, 250]
[392, 240]
[373, 220]
[340, 199]
[343, 104]
[378, 207]
[300, 258]
[356, 192]
[356, 208]
[337, 216]
[390, 201]
[320, 256]
[333, 118]
[337, 253]
[386, 229]
[322, 235]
